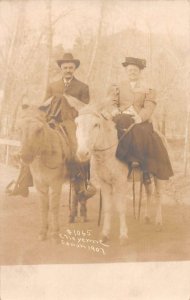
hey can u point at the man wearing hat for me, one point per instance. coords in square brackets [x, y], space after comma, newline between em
[133, 104]
[62, 101]
[76, 93]
[69, 95]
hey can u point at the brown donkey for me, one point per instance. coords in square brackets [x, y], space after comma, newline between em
[45, 150]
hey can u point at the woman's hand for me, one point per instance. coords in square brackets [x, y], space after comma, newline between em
[115, 112]
[132, 112]
[137, 119]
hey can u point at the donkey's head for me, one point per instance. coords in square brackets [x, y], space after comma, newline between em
[95, 130]
[88, 124]
[32, 132]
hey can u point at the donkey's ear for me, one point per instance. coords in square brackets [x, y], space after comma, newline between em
[25, 106]
[42, 108]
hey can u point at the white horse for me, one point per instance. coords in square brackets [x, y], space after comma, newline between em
[97, 139]
[45, 151]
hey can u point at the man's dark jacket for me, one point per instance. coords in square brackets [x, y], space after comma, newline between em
[58, 109]
[76, 89]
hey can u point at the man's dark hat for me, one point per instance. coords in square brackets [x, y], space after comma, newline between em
[141, 63]
[68, 57]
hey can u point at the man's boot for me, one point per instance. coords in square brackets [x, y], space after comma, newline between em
[21, 186]
[82, 186]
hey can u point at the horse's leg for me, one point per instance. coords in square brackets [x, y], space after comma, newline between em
[158, 194]
[120, 200]
[43, 208]
[106, 208]
[149, 193]
[55, 195]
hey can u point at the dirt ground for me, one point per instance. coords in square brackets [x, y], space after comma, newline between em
[20, 223]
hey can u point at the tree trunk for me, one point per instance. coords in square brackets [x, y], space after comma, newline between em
[10, 76]
[8, 81]
[49, 44]
[96, 44]
[186, 148]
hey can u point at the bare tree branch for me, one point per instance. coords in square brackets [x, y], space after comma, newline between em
[98, 36]
[61, 16]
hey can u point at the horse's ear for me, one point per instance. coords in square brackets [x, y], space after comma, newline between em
[25, 106]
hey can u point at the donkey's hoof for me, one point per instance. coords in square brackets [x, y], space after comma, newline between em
[104, 238]
[42, 237]
[147, 220]
[71, 220]
[55, 238]
[158, 227]
[83, 219]
[123, 241]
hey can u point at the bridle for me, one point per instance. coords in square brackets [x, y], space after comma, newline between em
[120, 139]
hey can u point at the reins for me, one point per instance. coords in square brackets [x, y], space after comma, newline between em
[115, 144]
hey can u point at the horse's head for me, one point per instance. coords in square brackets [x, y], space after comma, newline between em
[31, 128]
[92, 127]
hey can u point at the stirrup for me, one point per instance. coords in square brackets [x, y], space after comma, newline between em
[135, 164]
[134, 171]
[10, 187]
[146, 178]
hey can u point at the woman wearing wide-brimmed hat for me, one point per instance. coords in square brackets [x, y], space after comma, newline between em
[134, 103]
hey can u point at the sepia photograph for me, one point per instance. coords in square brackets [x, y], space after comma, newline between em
[94, 141]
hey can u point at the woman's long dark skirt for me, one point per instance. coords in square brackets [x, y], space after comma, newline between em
[144, 145]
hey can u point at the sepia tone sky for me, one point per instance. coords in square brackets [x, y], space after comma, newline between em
[162, 16]
[84, 15]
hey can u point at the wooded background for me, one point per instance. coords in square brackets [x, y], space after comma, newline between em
[31, 41]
